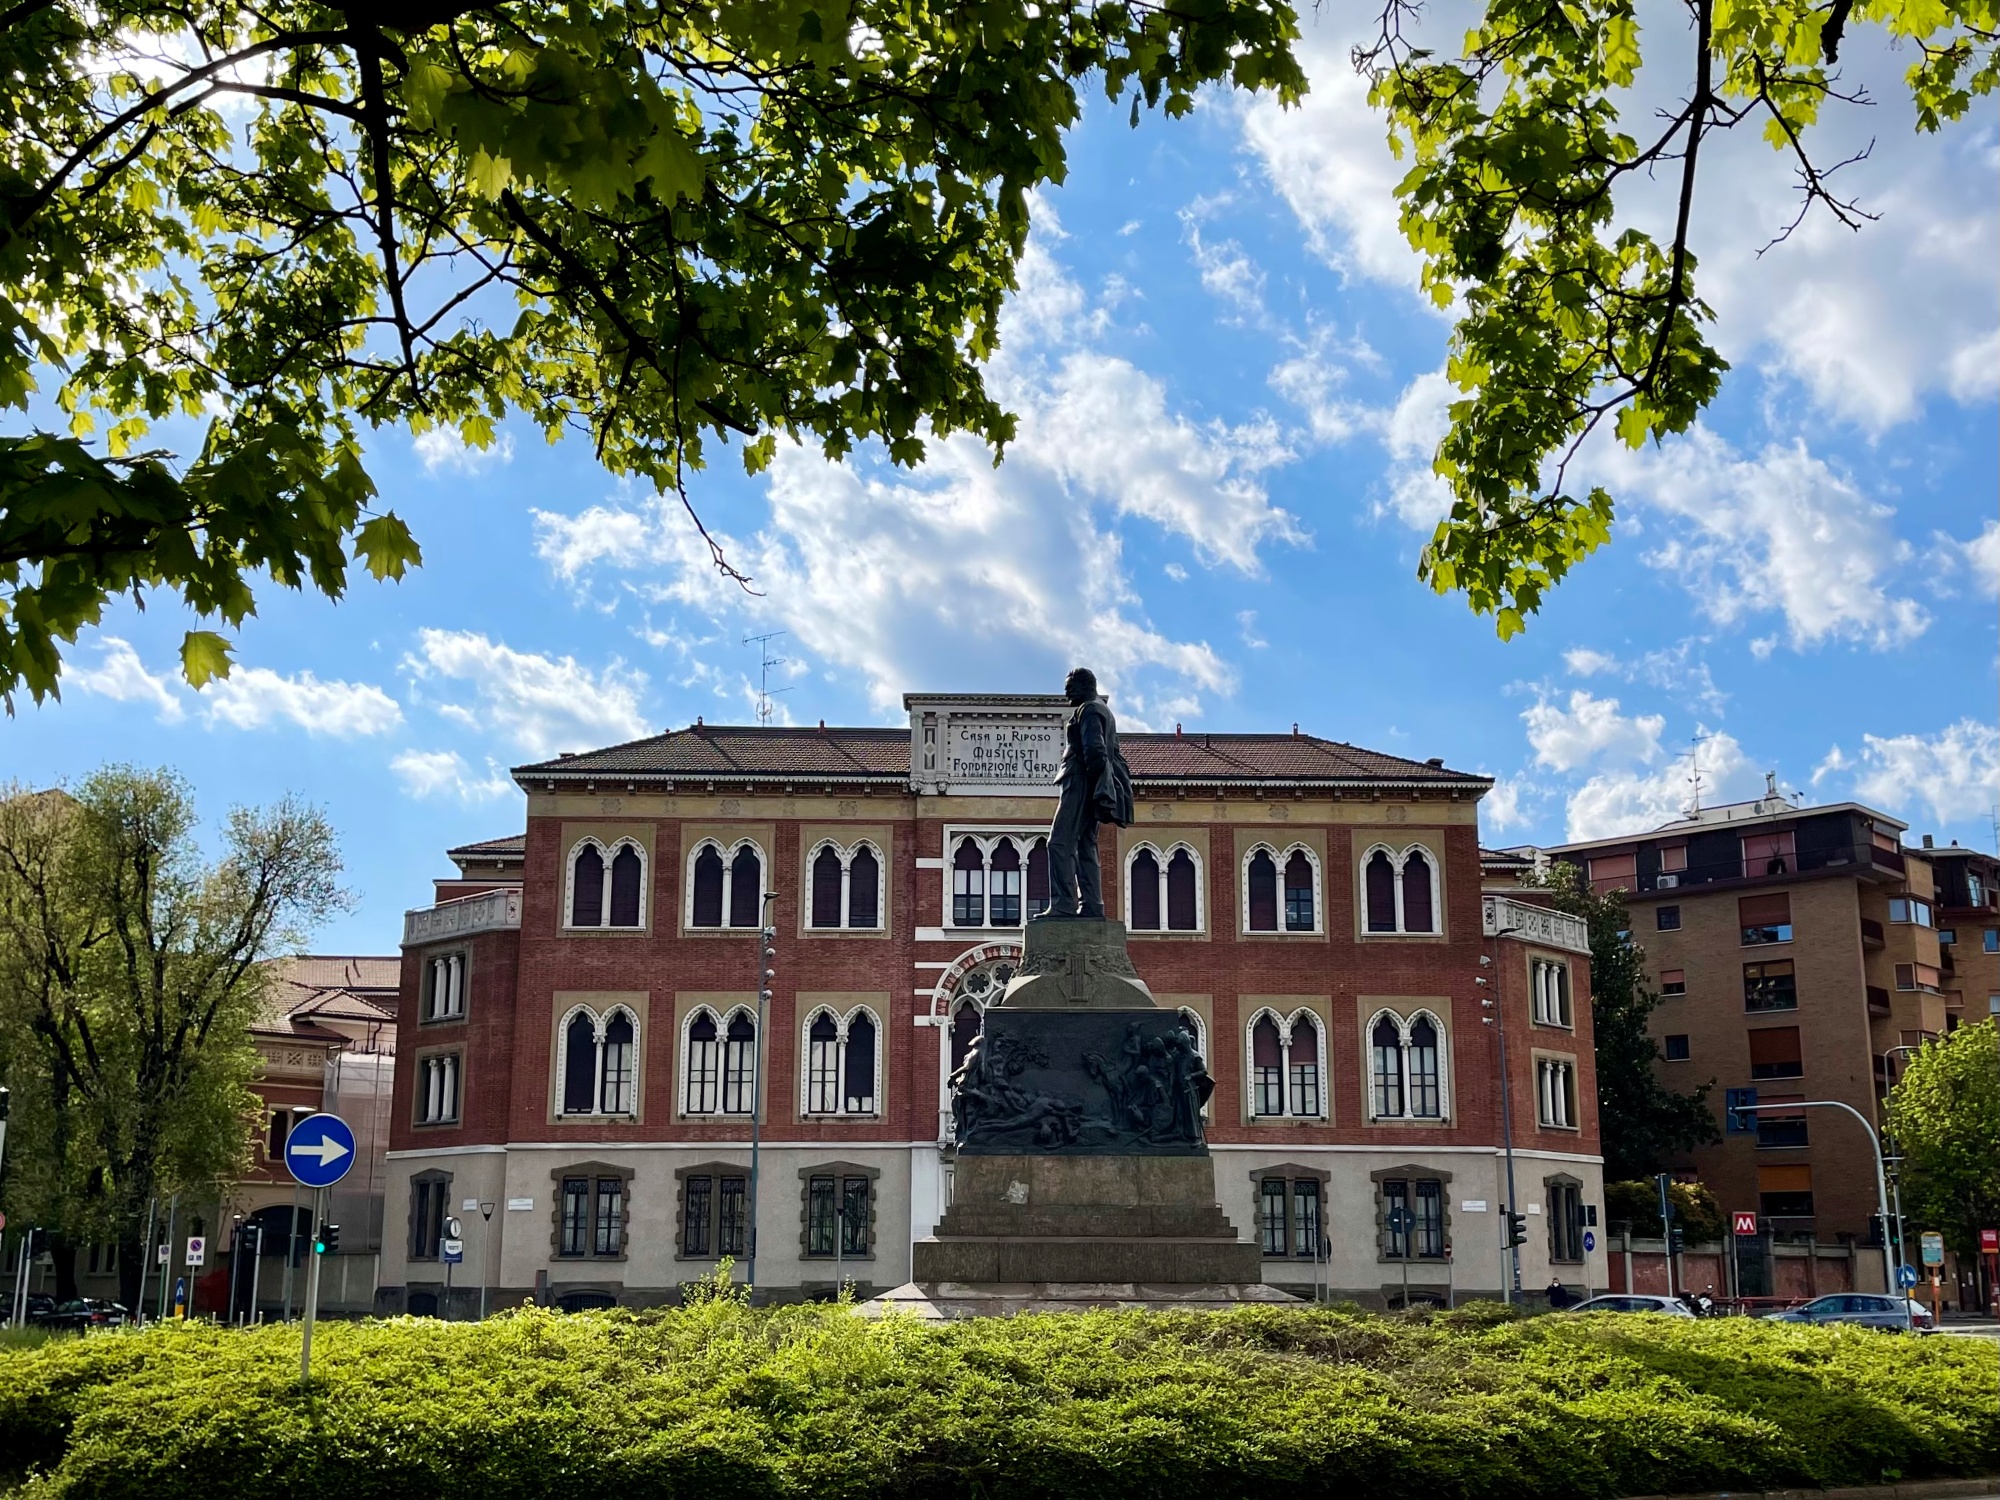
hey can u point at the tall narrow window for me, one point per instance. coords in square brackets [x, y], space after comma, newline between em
[746, 888]
[1183, 902]
[822, 1066]
[587, 888]
[579, 1065]
[1565, 1208]
[739, 1066]
[1429, 1229]
[608, 1233]
[617, 1095]
[864, 889]
[968, 886]
[1262, 880]
[1272, 1214]
[697, 1208]
[964, 1027]
[1299, 913]
[1145, 892]
[1417, 913]
[1304, 1055]
[858, 1066]
[1398, 1219]
[732, 1217]
[1558, 1092]
[1305, 1218]
[704, 1066]
[437, 1102]
[1386, 1044]
[819, 1215]
[575, 1215]
[826, 888]
[854, 1215]
[1267, 1060]
[1038, 877]
[1426, 1097]
[626, 872]
[1379, 881]
[707, 905]
[1003, 893]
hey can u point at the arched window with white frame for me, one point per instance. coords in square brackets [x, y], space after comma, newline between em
[1287, 1066]
[739, 1064]
[1400, 892]
[1163, 889]
[701, 1064]
[843, 1062]
[997, 879]
[725, 884]
[597, 1062]
[607, 884]
[1407, 1067]
[844, 887]
[1281, 889]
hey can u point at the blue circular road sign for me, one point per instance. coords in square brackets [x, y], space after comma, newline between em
[1906, 1276]
[320, 1150]
[1589, 1241]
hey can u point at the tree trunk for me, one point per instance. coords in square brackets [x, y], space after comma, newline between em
[63, 1250]
[133, 1258]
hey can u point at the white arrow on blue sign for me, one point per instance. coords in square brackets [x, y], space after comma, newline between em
[320, 1150]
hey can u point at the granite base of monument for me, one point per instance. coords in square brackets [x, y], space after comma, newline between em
[1082, 1178]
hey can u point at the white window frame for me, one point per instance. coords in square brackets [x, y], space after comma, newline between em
[444, 974]
[1285, 1025]
[440, 1088]
[985, 837]
[1404, 1024]
[607, 853]
[841, 1025]
[1280, 858]
[728, 853]
[845, 854]
[1399, 862]
[1164, 855]
[686, 1057]
[1553, 1000]
[1556, 1094]
[599, 1024]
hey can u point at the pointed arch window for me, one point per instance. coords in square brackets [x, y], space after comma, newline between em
[1163, 890]
[823, 1065]
[702, 1060]
[841, 1063]
[707, 888]
[598, 1064]
[964, 1027]
[968, 885]
[1386, 1049]
[615, 1066]
[1288, 1067]
[1417, 914]
[626, 878]
[1003, 891]
[998, 879]
[1400, 891]
[739, 1065]
[1144, 900]
[1183, 902]
[845, 887]
[606, 886]
[726, 886]
[827, 875]
[1407, 1067]
[1301, 904]
[1281, 890]
[580, 1065]
[746, 887]
[1038, 876]
[1267, 1061]
[1379, 880]
[864, 889]
[1302, 1059]
[1262, 882]
[1426, 1095]
[586, 906]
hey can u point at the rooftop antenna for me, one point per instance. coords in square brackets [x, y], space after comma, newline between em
[766, 661]
[1694, 771]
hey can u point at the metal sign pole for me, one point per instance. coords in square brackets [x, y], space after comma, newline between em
[291, 1249]
[312, 1294]
[766, 937]
[256, 1266]
[167, 1270]
[145, 1260]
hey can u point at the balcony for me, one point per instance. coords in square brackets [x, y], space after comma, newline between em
[489, 911]
[1872, 935]
[1862, 859]
[1534, 924]
[1878, 1000]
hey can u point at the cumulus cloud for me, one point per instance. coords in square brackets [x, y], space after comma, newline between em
[1314, 379]
[445, 773]
[1678, 669]
[1982, 555]
[1414, 428]
[1589, 729]
[442, 450]
[1954, 773]
[120, 676]
[540, 704]
[1623, 801]
[1504, 806]
[256, 698]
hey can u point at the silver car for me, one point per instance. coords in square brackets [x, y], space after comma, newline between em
[1635, 1302]
[1864, 1309]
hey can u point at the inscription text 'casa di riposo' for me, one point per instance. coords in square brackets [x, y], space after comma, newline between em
[998, 752]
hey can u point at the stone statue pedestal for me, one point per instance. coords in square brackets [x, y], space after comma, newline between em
[1082, 1177]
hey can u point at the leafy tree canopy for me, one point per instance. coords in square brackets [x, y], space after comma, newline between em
[1642, 1122]
[664, 225]
[1945, 1116]
[129, 978]
[1638, 1203]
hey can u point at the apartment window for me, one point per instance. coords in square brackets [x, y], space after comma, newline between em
[990, 876]
[1286, 1066]
[1975, 889]
[437, 1089]
[1785, 1192]
[597, 1062]
[838, 1204]
[1565, 1211]
[1163, 883]
[1406, 1066]
[430, 1198]
[1550, 983]
[1673, 981]
[1774, 1053]
[1765, 919]
[841, 1062]
[1770, 985]
[444, 988]
[606, 885]
[1614, 872]
[1667, 918]
[1411, 1218]
[725, 886]
[1923, 977]
[1781, 1129]
[1400, 891]
[1555, 1091]
[1290, 1203]
[1673, 861]
[1947, 936]
[1769, 853]
[592, 1213]
[714, 1213]
[1911, 910]
[1677, 1047]
[282, 1121]
[1990, 940]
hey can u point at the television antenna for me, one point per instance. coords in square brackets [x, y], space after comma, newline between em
[1694, 771]
[766, 661]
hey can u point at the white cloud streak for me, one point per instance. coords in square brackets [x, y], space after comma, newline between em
[540, 704]
[258, 698]
[120, 676]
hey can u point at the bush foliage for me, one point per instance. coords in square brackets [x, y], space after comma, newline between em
[718, 1400]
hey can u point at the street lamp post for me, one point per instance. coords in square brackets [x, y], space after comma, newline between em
[486, 1208]
[1892, 1159]
[767, 952]
[1498, 1021]
[1881, 1186]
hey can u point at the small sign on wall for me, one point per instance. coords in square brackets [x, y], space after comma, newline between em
[1473, 1206]
[518, 1205]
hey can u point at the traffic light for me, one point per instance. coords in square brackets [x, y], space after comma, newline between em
[326, 1241]
[1675, 1239]
[1517, 1226]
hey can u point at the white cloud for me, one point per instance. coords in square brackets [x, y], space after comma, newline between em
[442, 449]
[1954, 773]
[1675, 669]
[444, 773]
[1502, 808]
[1582, 661]
[1313, 379]
[1982, 554]
[1591, 728]
[256, 697]
[1779, 532]
[120, 676]
[1836, 760]
[1246, 623]
[539, 703]
[1627, 801]
[1226, 269]
[1417, 496]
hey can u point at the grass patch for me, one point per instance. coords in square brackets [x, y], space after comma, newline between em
[720, 1401]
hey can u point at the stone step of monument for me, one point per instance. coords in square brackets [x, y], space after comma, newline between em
[939, 1301]
[1206, 1259]
[1043, 1220]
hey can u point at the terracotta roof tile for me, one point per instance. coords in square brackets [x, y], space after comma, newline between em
[513, 843]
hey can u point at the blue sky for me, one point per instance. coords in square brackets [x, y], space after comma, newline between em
[1229, 392]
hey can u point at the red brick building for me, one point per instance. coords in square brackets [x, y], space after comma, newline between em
[581, 1048]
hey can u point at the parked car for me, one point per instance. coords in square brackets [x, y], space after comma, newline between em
[83, 1314]
[40, 1305]
[1864, 1309]
[1635, 1302]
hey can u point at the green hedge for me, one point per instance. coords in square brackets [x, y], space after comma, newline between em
[719, 1401]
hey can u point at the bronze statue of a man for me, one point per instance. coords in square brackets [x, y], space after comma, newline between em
[1096, 788]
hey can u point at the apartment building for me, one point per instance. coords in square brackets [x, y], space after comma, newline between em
[1968, 920]
[1796, 949]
